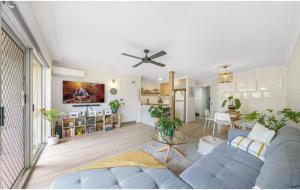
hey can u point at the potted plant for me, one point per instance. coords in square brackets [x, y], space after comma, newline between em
[233, 103]
[52, 116]
[156, 112]
[270, 121]
[167, 125]
[115, 106]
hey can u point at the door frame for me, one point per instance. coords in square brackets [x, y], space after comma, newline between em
[16, 40]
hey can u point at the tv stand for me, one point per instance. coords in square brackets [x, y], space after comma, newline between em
[89, 124]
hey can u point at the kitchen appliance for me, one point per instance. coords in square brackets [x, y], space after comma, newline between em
[180, 104]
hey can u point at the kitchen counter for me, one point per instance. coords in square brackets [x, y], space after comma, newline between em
[145, 115]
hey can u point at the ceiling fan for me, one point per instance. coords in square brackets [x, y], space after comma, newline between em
[147, 59]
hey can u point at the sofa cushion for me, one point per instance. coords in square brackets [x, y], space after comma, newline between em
[120, 178]
[282, 168]
[284, 135]
[239, 156]
[261, 133]
[222, 168]
[253, 147]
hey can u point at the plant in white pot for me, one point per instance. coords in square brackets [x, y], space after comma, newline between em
[52, 116]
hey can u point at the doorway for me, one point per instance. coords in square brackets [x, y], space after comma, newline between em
[201, 101]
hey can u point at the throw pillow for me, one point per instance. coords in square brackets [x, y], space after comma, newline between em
[261, 133]
[256, 148]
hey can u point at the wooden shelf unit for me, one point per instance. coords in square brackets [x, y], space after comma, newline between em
[149, 94]
[88, 124]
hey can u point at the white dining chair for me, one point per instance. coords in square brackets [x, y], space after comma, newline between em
[221, 119]
[208, 117]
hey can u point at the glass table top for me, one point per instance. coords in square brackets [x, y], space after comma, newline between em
[178, 138]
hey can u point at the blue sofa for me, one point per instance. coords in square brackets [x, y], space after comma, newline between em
[225, 167]
[228, 167]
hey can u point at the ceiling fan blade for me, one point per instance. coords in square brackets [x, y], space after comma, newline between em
[159, 54]
[158, 64]
[131, 56]
[137, 64]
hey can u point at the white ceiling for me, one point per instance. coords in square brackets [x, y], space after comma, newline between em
[197, 36]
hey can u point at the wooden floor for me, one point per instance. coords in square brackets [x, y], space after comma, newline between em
[79, 151]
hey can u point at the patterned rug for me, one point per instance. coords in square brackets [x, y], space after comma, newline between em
[176, 164]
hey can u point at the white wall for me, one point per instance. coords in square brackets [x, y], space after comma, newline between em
[293, 78]
[275, 80]
[128, 89]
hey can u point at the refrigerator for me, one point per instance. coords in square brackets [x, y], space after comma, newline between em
[180, 105]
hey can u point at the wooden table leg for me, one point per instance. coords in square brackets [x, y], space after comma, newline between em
[168, 149]
[163, 148]
[168, 152]
[177, 152]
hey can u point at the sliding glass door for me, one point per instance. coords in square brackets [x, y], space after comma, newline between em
[12, 109]
[37, 129]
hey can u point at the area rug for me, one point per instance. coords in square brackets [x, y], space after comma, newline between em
[176, 164]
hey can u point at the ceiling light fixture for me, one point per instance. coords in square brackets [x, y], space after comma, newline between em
[224, 75]
[159, 79]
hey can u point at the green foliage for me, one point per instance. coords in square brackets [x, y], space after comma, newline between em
[234, 102]
[270, 121]
[156, 111]
[168, 125]
[115, 105]
[52, 116]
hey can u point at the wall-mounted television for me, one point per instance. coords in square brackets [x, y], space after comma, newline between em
[83, 92]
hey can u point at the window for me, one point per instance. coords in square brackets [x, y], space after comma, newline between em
[37, 127]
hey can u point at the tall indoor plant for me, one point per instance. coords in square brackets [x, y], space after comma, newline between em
[52, 116]
[233, 103]
[166, 125]
[272, 121]
[115, 106]
[156, 112]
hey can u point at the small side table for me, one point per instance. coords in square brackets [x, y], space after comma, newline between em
[178, 139]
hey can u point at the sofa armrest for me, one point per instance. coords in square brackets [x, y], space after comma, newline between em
[232, 133]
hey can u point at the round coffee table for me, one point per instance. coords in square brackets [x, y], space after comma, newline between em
[178, 139]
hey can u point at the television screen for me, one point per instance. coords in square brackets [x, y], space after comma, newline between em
[82, 92]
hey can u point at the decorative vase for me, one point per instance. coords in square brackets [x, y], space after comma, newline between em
[114, 111]
[53, 140]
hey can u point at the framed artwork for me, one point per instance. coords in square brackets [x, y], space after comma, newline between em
[82, 92]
